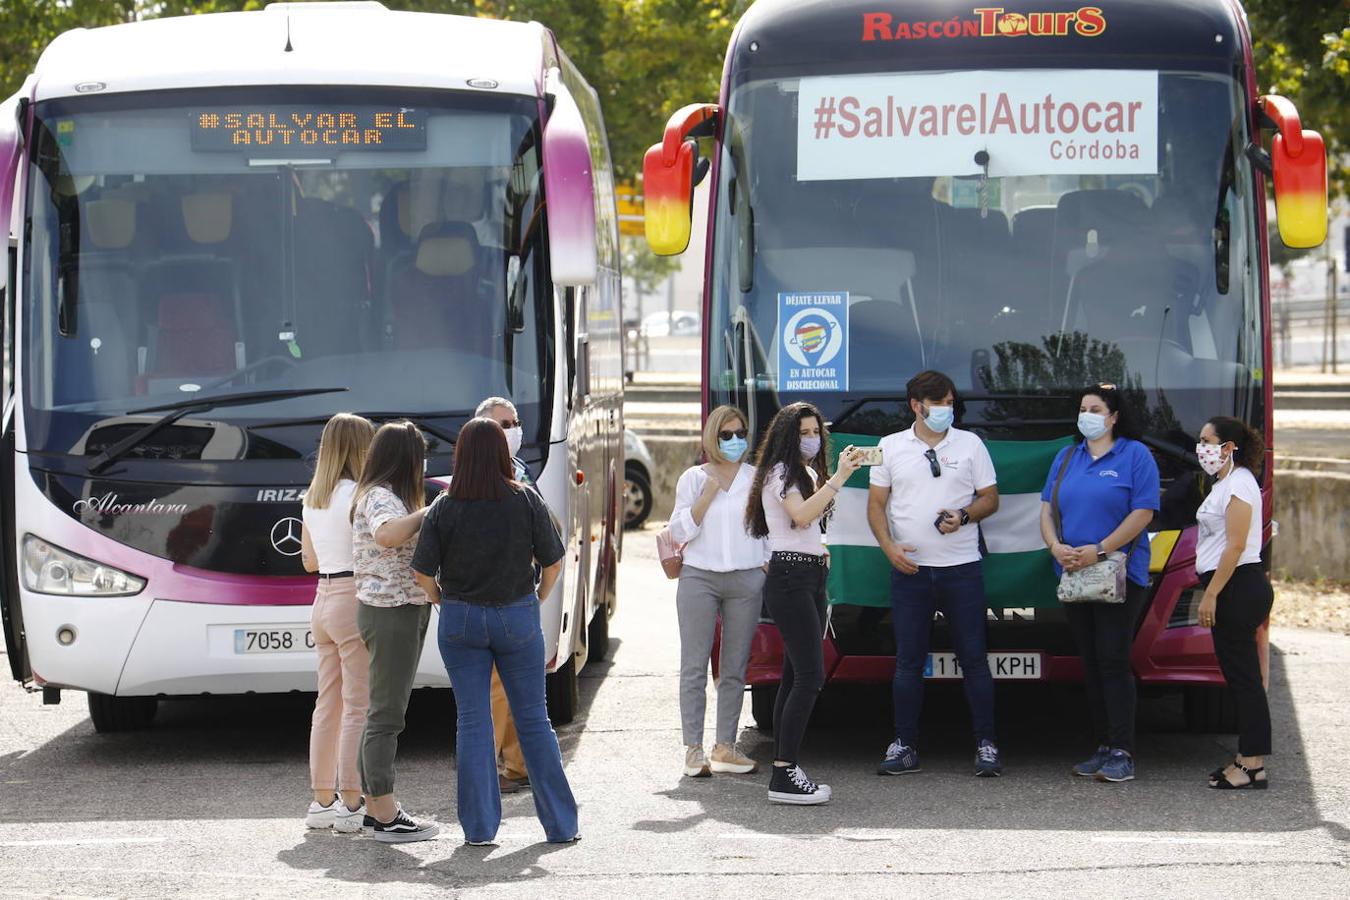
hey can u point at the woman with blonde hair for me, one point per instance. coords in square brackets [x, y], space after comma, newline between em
[340, 709]
[722, 577]
[387, 513]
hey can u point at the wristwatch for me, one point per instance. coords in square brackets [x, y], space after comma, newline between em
[965, 517]
[1101, 554]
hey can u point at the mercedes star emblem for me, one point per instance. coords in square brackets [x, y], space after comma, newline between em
[286, 536]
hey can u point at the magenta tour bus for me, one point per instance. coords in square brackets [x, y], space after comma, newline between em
[222, 230]
[1032, 197]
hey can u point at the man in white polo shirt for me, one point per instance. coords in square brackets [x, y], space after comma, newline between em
[934, 483]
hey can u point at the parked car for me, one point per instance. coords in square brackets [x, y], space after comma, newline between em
[637, 481]
[680, 323]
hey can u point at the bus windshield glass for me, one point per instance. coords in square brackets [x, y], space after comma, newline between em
[1123, 252]
[218, 241]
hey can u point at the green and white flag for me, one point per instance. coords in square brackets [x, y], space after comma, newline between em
[1017, 571]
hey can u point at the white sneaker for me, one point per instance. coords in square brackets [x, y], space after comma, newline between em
[727, 760]
[348, 821]
[695, 763]
[320, 816]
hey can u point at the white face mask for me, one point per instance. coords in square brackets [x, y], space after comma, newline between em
[513, 438]
[1212, 458]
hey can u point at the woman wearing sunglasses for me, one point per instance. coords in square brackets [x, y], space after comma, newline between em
[722, 577]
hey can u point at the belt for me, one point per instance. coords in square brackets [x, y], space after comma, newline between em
[790, 556]
[336, 574]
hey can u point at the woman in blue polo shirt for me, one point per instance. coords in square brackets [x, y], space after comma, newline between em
[1107, 497]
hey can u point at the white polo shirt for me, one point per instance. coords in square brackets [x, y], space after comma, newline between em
[917, 497]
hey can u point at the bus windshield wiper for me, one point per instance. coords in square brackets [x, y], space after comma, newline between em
[175, 411]
[418, 419]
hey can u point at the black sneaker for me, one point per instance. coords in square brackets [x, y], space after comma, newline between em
[789, 784]
[404, 829]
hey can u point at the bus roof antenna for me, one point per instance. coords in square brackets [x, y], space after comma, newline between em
[288, 48]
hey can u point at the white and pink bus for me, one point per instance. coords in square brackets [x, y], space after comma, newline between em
[222, 230]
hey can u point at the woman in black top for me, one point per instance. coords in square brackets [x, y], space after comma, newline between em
[481, 541]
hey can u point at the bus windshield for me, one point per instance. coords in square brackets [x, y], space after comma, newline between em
[1021, 287]
[225, 240]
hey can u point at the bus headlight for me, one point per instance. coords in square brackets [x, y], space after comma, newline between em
[48, 569]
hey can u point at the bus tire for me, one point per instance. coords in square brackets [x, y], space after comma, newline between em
[597, 636]
[110, 713]
[762, 697]
[1210, 710]
[562, 693]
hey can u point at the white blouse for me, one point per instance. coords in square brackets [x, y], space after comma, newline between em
[330, 529]
[721, 543]
[783, 534]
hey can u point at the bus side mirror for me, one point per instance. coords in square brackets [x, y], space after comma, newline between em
[1299, 159]
[669, 175]
[569, 189]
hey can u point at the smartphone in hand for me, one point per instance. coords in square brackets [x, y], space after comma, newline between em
[871, 456]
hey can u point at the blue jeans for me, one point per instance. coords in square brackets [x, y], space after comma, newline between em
[472, 638]
[958, 591]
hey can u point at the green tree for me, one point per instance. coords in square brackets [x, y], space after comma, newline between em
[1302, 51]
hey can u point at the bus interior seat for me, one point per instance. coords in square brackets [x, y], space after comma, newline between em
[976, 252]
[1135, 296]
[334, 264]
[1086, 222]
[197, 319]
[1029, 280]
[97, 359]
[435, 304]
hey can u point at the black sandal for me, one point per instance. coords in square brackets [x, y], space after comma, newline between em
[1217, 774]
[1253, 782]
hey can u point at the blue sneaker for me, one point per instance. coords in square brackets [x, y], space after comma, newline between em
[1092, 766]
[988, 763]
[1119, 767]
[900, 760]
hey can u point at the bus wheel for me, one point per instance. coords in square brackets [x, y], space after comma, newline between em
[762, 697]
[1210, 710]
[111, 713]
[562, 693]
[597, 636]
[637, 497]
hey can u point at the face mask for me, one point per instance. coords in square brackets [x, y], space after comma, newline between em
[810, 446]
[733, 449]
[1091, 425]
[513, 438]
[1211, 457]
[939, 418]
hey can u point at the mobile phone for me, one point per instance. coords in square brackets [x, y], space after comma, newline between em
[871, 456]
[937, 523]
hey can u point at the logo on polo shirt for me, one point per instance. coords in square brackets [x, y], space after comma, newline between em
[1109, 473]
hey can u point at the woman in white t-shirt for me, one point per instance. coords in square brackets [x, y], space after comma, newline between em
[722, 578]
[340, 709]
[1238, 595]
[791, 494]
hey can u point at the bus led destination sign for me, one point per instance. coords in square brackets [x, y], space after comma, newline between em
[309, 129]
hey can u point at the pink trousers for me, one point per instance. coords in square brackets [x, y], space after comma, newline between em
[344, 688]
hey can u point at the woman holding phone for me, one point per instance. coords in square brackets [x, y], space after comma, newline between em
[790, 497]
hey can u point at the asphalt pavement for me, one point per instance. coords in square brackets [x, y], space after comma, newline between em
[208, 803]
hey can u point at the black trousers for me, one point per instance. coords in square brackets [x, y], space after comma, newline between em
[1104, 633]
[795, 595]
[1244, 603]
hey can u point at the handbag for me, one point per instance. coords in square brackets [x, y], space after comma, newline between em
[1102, 582]
[670, 553]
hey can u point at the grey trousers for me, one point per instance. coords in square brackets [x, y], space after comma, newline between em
[393, 638]
[700, 598]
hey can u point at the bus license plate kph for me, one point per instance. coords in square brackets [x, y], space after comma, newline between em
[276, 639]
[1003, 665]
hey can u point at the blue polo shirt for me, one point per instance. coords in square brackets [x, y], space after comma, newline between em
[1097, 495]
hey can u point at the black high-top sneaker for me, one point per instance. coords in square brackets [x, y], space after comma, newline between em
[789, 784]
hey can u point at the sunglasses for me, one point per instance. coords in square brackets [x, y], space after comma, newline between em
[728, 435]
[933, 465]
[1107, 387]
